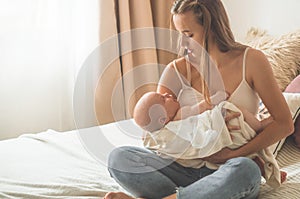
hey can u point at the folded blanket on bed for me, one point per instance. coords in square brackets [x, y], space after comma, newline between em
[196, 137]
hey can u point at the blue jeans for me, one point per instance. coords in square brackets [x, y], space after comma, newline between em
[145, 174]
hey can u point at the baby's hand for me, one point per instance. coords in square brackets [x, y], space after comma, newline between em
[229, 116]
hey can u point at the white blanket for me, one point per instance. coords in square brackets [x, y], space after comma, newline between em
[202, 135]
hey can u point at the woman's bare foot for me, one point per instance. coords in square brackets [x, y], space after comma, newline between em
[117, 195]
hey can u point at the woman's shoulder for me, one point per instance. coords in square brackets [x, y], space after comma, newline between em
[179, 63]
[257, 60]
[255, 53]
[258, 66]
[251, 53]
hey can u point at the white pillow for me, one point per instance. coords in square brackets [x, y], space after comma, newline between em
[293, 101]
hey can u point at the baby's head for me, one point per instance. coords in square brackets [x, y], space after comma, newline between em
[154, 110]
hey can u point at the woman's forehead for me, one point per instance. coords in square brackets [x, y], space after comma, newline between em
[184, 21]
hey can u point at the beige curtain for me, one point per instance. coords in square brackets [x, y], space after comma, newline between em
[119, 87]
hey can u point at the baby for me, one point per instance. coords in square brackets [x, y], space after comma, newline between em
[154, 111]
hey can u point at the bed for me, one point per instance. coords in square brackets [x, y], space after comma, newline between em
[54, 164]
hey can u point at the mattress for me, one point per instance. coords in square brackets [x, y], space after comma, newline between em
[55, 164]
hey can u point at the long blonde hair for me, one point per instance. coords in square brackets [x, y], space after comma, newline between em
[211, 15]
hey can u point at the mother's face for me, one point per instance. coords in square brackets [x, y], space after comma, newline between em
[187, 24]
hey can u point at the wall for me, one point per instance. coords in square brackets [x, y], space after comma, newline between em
[275, 16]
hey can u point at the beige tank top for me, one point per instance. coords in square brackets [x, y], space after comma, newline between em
[243, 96]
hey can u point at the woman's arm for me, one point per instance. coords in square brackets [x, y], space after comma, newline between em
[264, 83]
[260, 76]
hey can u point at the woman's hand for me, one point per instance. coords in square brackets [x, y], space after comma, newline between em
[229, 116]
[221, 156]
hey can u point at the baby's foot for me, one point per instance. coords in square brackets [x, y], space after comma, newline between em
[283, 175]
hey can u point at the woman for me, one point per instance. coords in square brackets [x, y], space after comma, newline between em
[247, 76]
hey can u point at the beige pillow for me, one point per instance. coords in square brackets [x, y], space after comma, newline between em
[283, 53]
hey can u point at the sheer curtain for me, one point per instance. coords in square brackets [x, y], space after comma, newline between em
[42, 46]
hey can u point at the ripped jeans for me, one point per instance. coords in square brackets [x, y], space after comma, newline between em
[144, 174]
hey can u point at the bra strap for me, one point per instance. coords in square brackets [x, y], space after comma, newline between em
[244, 62]
[188, 73]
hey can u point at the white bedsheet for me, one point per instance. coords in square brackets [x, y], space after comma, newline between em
[56, 165]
